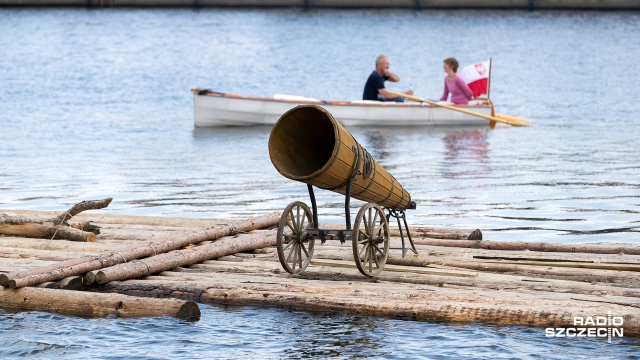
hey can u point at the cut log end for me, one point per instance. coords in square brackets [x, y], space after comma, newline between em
[475, 235]
[100, 278]
[189, 311]
[4, 280]
[90, 277]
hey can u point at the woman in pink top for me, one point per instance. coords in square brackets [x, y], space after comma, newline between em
[455, 84]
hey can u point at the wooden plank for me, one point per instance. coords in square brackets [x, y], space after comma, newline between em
[396, 268]
[580, 265]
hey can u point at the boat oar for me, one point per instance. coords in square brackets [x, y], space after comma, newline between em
[514, 118]
[468, 112]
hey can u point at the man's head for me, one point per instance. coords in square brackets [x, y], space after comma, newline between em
[382, 63]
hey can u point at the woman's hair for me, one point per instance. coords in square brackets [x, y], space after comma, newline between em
[453, 63]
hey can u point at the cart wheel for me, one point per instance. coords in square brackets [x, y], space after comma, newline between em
[370, 239]
[295, 245]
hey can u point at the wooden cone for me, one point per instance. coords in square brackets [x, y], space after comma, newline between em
[307, 144]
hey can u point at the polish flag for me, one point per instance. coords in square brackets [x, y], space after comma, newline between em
[477, 77]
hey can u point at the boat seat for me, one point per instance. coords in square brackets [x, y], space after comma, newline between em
[294, 98]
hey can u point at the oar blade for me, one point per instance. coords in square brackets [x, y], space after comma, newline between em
[514, 118]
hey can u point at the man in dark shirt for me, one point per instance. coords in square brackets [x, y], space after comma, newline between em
[374, 87]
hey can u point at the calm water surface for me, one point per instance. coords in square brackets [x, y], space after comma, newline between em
[235, 333]
[96, 104]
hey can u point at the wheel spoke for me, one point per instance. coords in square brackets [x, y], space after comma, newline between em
[378, 229]
[364, 248]
[377, 249]
[306, 253]
[297, 217]
[290, 225]
[370, 221]
[304, 218]
[292, 251]
[300, 255]
[289, 237]
[373, 223]
[296, 255]
[293, 220]
[375, 258]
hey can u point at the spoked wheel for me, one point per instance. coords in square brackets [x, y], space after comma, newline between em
[295, 245]
[370, 239]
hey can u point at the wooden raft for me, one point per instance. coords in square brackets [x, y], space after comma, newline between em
[452, 284]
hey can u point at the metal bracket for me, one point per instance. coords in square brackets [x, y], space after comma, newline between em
[398, 214]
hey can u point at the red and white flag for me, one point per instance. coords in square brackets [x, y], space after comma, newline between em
[477, 77]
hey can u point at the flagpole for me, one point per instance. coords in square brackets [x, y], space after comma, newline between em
[489, 81]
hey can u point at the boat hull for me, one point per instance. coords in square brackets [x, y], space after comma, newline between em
[213, 109]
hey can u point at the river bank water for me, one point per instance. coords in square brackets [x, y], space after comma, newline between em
[352, 4]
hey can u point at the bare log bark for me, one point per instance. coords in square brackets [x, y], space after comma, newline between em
[185, 257]
[54, 228]
[544, 272]
[47, 231]
[437, 233]
[80, 207]
[4, 278]
[531, 246]
[85, 264]
[79, 303]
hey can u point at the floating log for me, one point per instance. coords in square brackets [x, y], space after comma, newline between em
[185, 257]
[52, 228]
[498, 299]
[85, 264]
[437, 233]
[531, 246]
[85, 304]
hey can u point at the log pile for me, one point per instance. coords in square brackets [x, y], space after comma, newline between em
[57, 227]
[85, 264]
[164, 254]
[528, 285]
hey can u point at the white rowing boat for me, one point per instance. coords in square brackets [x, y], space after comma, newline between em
[219, 109]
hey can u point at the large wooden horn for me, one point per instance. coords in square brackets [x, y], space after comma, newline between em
[308, 145]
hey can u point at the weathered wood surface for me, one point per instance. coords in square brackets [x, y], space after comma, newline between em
[433, 233]
[86, 304]
[84, 264]
[530, 288]
[56, 227]
[183, 257]
[534, 246]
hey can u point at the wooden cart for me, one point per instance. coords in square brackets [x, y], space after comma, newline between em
[307, 144]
